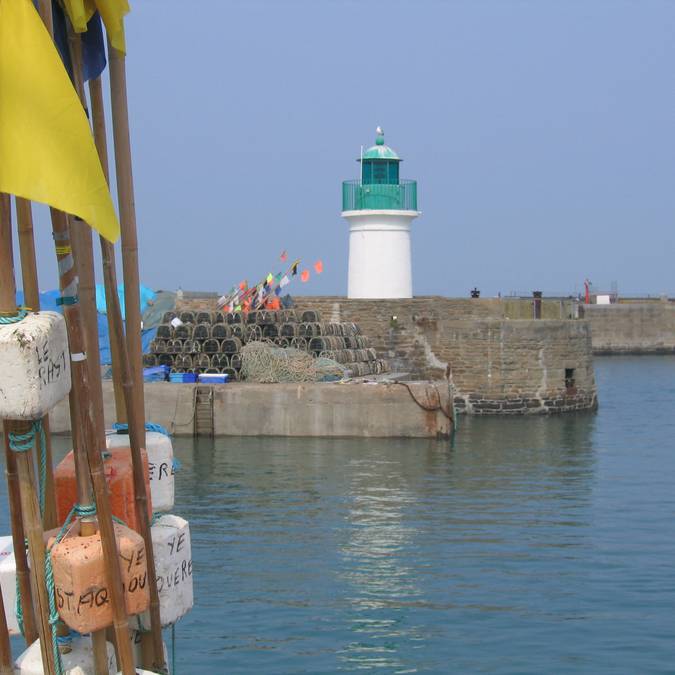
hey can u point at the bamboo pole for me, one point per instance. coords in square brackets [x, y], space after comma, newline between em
[31, 296]
[18, 541]
[5, 648]
[29, 501]
[125, 194]
[81, 237]
[115, 329]
[82, 394]
[133, 369]
[84, 425]
[13, 490]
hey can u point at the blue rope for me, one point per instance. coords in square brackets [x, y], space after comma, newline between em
[20, 315]
[54, 619]
[24, 443]
[149, 426]
[18, 606]
[49, 581]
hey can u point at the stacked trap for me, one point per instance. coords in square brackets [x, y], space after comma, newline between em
[219, 342]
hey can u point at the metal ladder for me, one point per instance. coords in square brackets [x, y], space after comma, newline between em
[203, 407]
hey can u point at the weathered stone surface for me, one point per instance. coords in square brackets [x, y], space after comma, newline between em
[632, 328]
[490, 350]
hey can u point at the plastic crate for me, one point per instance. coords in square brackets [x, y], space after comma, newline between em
[213, 378]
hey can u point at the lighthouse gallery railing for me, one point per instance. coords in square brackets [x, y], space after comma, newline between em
[377, 196]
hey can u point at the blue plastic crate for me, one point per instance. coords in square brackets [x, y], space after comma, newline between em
[213, 378]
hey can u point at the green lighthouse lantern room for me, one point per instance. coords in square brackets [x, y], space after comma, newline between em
[380, 186]
[379, 164]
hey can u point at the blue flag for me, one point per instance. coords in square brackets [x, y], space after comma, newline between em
[93, 44]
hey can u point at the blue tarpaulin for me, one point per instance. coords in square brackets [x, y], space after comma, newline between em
[48, 303]
[147, 296]
[147, 336]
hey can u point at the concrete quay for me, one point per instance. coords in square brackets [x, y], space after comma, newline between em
[354, 409]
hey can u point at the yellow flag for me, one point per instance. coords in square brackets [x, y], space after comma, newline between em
[47, 152]
[79, 12]
[112, 12]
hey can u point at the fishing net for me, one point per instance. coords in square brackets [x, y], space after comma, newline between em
[265, 362]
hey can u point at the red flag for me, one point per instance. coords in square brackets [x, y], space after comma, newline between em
[243, 285]
[284, 256]
[304, 276]
[318, 267]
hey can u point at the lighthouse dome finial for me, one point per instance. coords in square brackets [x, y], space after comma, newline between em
[380, 136]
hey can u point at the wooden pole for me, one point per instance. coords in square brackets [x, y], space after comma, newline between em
[18, 540]
[31, 297]
[5, 648]
[82, 394]
[13, 490]
[85, 426]
[125, 194]
[81, 237]
[115, 329]
[133, 371]
[29, 501]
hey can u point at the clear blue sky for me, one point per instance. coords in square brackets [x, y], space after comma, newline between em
[542, 135]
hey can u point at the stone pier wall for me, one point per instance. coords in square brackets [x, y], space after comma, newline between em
[496, 358]
[632, 328]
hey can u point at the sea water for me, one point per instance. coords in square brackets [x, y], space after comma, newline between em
[539, 545]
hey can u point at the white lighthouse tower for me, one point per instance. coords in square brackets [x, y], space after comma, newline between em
[379, 208]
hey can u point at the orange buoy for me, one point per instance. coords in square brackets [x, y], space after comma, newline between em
[119, 476]
[80, 581]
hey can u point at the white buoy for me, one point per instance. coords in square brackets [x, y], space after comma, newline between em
[8, 583]
[35, 366]
[78, 661]
[173, 565]
[160, 466]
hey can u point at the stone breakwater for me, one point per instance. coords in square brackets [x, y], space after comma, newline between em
[495, 364]
[638, 327]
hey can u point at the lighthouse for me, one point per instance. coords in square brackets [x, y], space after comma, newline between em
[379, 208]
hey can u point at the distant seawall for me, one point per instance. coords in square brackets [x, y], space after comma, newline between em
[632, 328]
[496, 358]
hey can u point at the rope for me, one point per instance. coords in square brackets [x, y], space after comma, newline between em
[24, 443]
[49, 581]
[437, 407]
[21, 314]
[149, 426]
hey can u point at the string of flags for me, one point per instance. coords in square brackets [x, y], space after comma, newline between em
[243, 298]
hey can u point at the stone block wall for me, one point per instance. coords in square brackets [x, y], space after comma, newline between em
[634, 328]
[495, 364]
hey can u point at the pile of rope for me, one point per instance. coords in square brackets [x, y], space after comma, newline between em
[265, 362]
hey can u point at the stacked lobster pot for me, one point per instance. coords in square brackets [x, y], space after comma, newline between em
[211, 342]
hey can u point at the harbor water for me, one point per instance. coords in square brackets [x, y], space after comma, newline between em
[543, 545]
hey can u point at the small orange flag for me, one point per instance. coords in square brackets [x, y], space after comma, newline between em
[318, 267]
[304, 276]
